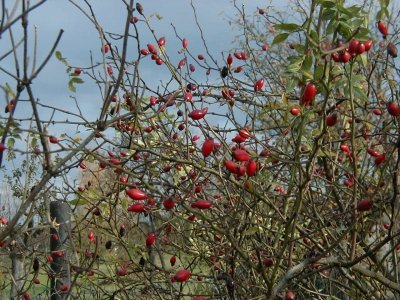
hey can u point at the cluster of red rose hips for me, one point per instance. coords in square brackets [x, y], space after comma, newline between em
[355, 48]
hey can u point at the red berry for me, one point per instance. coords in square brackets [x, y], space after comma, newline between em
[91, 237]
[200, 57]
[309, 93]
[198, 114]
[238, 69]
[208, 147]
[137, 207]
[2, 147]
[244, 133]
[64, 288]
[55, 237]
[168, 203]
[240, 170]
[290, 295]
[159, 61]
[106, 48]
[229, 60]
[348, 183]
[152, 49]
[239, 139]
[161, 42]
[335, 57]
[114, 161]
[144, 52]
[377, 111]
[172, 260]
[383, 29]
[372, 152]
[264, 153]
[268, 262]
[368, 45]
[136, 194]
[188, 96]
[151, 239]
[345, 148]
[58, 253]
[331, 119]
[265, 47]
[181, 63]
[393, 109]
[184, 43]
[241, 155]
[295, 111]
[392, 50]
[123, 179]
[198, 189]
[121, 271]
[345, 57]
[380, 159]
[259, 85]
[360, 48]
[53, 140]
[238, 55]
[77, 71]
[10, 106]
[192, 68]
[182, 275]
[251, 168]
[26, 296]
[202, 204]
[353, 46]
[364, 205]
[230, 166]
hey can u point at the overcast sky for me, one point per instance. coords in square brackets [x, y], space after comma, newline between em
[81, 37]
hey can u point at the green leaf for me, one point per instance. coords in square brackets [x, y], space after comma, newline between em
[251, 230]
[280, 38]
[314, 36]
[9, 91]
[332, 25]
[384, 12]
[33, 142]
[364, 59]
[72, 81]
[290, 27]
[293, 68]
[359, 93]
[319, 72]
[58, 55]
[328, 3]
[344, 29]
[78, 201]
[392, 84]
[307, 63]
[71, 87]
[124, 203]
[77, 80]
[10, 142]
[291, 84]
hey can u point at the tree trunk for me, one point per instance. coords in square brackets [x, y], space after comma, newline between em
[60, 279]
[18, 272]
